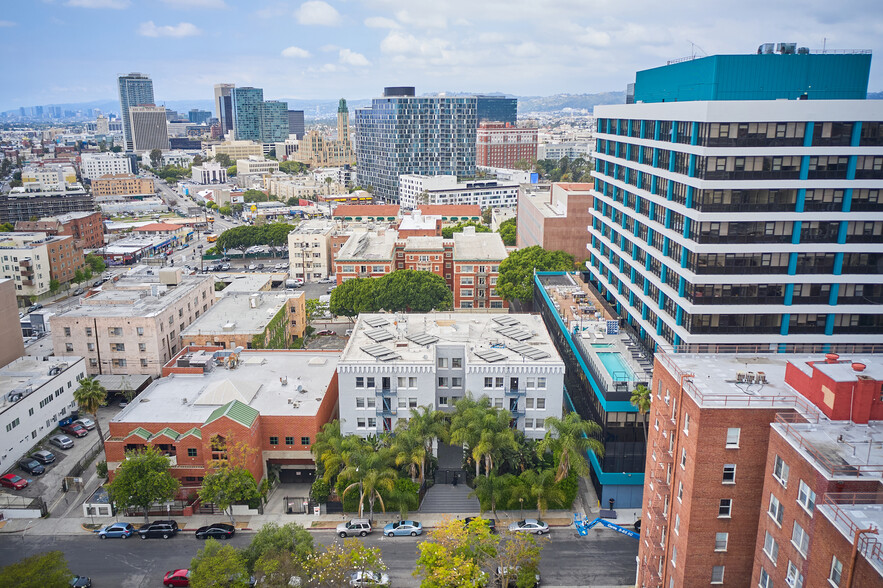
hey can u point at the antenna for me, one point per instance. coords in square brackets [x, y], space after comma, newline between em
[693, 47]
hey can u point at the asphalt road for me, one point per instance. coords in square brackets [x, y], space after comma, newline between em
[603, 558]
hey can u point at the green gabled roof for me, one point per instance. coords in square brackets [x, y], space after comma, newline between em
[170, 433]
[194, 431]
[235, 410]
[140, 432]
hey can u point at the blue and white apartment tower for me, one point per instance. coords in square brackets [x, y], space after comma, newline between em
[737, 203]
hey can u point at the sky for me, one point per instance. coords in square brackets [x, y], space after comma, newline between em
[61, 51]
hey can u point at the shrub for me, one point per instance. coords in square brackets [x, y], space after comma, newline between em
[101, 469]
[320, 491]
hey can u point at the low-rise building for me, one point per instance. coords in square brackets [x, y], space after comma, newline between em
[33, 260]
[259, 320]
[132, 249]
[555, 218]
[415, 191]
[238, 149]
[394, 364]
[35, 393]
[285, 187]
[209, 173]
[366, 212]
[309, 250]
[476, 260]
[122, 185]
[20, 205]
[369, 254]
[133, 325]
[174, 233]
[568, 149]
[86, 228]
[178, 158]
[256, 165]
[213, 402]
[48, 177]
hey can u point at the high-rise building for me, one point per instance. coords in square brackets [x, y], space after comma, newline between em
[149, 128]
[274, 121]
[343, 122]
[737, 202]
[497, 109]
[402, 134]
[224, 106]
[505, 145]
[101, 125]
[198, 116]
[135, 89]
[296, 123]
[247, 110]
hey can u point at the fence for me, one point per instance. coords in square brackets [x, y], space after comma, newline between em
[174, 508]
[301, 505]
[84, 461]
[23, 503]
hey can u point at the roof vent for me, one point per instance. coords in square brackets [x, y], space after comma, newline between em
[859, 367]
[831, 358]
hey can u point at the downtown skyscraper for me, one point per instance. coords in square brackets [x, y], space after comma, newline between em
[224, 106]
[257, 120]
[135, 89]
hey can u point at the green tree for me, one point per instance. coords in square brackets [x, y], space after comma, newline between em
[426, 425]
[223, 159]
[524, 164]
[412, 291]
[315, 309]
[515, 280]
[486, 215]
[7, 227]
[448, 232]
[405, 496]
[543, 488]
[454, 554]
[79, 277]
[491, 490]
[641, 400]
[369, 471]
[227, 485]
[43, 570]
[277, 569]
[508, 231]
[231, 171]
[409, 450]
[518, 558]
[570, 439]
[293, 167]
[116, 149]
[217, 565]
[353, 297]
[255, 196]
[289, 538]
[155, 158]
[142, 480]
[96, 263]
[331, 567]
[320, 490]
[197, 159]
[225, 210]
[89, 396]
[54, 285]
[328, 450]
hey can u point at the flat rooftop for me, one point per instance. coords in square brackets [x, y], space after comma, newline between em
[133, 296]
[489, 338]
[368, 247]
[315, 226]
[838, 449]
[847, 518]
[246, 284]
[472, 246]
[32, 372]
[240, 313]
[257, 382]
[425, 244]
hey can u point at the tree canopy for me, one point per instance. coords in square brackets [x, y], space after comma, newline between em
[245, 236]
[288, 538]
[255, 196]
[565, 169]
[218, 565]
[89, 396]
[507, 230]
[401, 290]
[155, 158]
[293, 167]
[515, 280]
[96, 263]
[43, 570]
[448, 232]
[223, 159]
[142, 480]
[227, 485]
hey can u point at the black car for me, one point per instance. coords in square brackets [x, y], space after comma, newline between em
[43, 456]
[81, 582]
[34, 307]
[260, 266]
[164, 529]
[216, 531]
[31, 466]
[491, 523]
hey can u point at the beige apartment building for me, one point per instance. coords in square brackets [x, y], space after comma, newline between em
[11, 343]
[238, 149]
[309, 250]
[283, 187]
[133, 325]
[33, 259]
[122, 185]
[256, 164]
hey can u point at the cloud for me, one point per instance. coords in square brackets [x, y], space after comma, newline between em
[348, 57]
[196, 3]
[381, 22]
[295, 52]
[405, 44]
[330, 48]
[422, 19]
[595, 38]
[316, 12]
[525, 49]
[7, 23]
[115, 4]
[183, 29]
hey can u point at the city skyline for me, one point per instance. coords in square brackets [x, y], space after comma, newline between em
[318, 49]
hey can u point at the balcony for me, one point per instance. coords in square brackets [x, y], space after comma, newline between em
[25, 263]
[517, 412]
[515, 392]
[384, 392]
[27, 282]
[386, 411]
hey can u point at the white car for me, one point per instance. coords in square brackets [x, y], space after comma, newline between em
[328, 280]
[87, 424]
[529, 526]
[368, 579]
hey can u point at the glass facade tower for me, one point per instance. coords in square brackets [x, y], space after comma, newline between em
[135, 89]
[247, 113]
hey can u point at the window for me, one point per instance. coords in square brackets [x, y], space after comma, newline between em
[776, 510]
[680, 491]
[191, 452]
[412, 402]
[765, 580]
[720, 541]
[442, 400]
[528, 403]
[88, 331]
[442, 362]
[836, 571]
[800, 538]
[274, 440]
[305, 441]
[67, 331]
[143, 362]
[780, 471]
[725, 508]
[793, 578]
[68, 347]
[541, 404]
[457, 362]
[686, 423]
[360, 401]
[674, 557]
[717, 575]
[683, 457]
[677, 524]
[442, 382]
[456, 382]
[806, 497]
[733, 438]
[372, 423]
[541, 383]
[540, 423]
[729, 473]
[488, 382]
[770, 547]
[140, 331]
[498, 403]
[360, 423]
[528, 423]
[371, 402]
[289, 440]
[142, 347]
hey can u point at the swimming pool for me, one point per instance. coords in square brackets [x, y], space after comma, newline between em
[616, 366]
[602, 345]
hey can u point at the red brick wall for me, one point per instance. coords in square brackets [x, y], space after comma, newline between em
[857, 400]
[828, 542]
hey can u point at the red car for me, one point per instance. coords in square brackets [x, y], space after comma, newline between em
[75, 430]
[177, 578]
[14, 482]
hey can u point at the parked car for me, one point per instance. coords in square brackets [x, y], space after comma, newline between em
[75, 430]
[164, 529]
[120, 530]
[325, 332]
[78, 291]
[43, 456]
[369, 579]
[31, 466]
[529, 526]
[412, 528]
[81, 582]
[176, 578]
[349, 332]
[216, 531]
[330, 290]
[34, 307]
[260, 266]
[61, 441]
[14, 482]
[491, 523]
[278, 266]
[252, 267]
[123, 403]
[512, 577]
[87, 424]
[360, 527]
[328, 280]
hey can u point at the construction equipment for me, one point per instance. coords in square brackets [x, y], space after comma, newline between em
[583, 525]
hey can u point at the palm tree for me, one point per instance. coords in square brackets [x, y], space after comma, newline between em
[371, 472]
[90, 395]
[491, 489]
[467, 424]
[641, 400]
[328, 449]
[426, 425]
[571, 438]
[410, 451]
[544, 488]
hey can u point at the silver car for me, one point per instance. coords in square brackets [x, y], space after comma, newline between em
[87, 424]
[61, 441]
[360, 527]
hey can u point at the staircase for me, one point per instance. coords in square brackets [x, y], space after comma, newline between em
[445, 498]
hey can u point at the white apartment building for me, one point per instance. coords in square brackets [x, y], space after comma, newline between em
[309, 249]
[48, 178]
[283, 187]
[24, 258]
[395, 363]
[417, 190]
[35, 393]
[256, 165]
[568, 149]
[176, 157]
[209, 173]
[95, 165]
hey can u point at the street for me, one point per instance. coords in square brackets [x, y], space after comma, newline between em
[602, 558]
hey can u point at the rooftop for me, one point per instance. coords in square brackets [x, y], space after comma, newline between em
[32, 372]
[240, 313]
[280, 383]
[500, 339]
[315, 226]
[68, 217]
[472, 246]
[369, 246]
[135, 295]
[425, 244]
[470, 210]
[357, 210]
[246, 284]
[419, 222]
[850, 512]
[158, 227]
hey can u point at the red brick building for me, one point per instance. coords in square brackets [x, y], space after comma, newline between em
[365, 212]
[260, 408]
[556, 218]
[740, 457]
[86, 228]
[503, 145]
